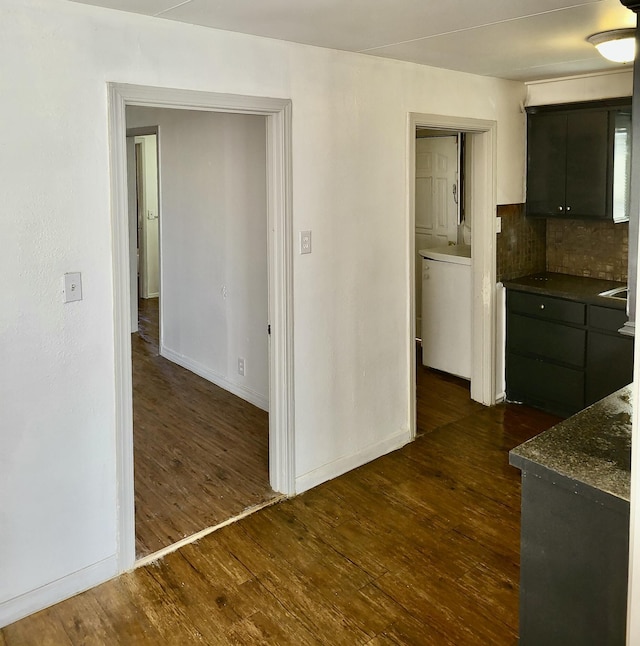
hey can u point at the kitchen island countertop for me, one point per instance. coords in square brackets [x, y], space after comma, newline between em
[590, 450]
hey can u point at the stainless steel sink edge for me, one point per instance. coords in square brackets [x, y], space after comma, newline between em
[619, 293]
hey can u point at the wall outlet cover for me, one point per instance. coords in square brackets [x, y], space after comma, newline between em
[72, 287]
[305, 242]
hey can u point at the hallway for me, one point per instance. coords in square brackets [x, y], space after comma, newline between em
[201, 454]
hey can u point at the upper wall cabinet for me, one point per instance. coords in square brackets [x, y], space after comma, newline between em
[578, 160]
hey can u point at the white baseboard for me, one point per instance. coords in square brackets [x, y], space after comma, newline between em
[243, 392]
[56, 591]
[342, 465]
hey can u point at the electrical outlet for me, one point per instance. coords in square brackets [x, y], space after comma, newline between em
[241, 366]
[305, 241]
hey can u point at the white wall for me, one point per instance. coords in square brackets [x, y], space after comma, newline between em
[351, 295]
[214, 244]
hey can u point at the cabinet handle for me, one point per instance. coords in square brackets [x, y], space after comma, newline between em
[568, 208]
[560, 208]
[542, 306]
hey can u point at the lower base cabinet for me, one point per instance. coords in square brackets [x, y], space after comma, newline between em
[609, 354]
[544, 385]
[564, 355]
[573, 564]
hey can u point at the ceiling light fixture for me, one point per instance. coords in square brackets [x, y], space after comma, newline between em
[617, 45]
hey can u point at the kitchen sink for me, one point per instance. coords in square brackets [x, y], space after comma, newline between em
[619, 292]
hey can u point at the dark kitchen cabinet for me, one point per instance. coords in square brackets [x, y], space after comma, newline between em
[609, 354]
[546, 163]
[563, 355]
[588, 179]
[574, 553]
[577, 160]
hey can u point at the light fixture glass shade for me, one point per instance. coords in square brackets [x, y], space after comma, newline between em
[617, 45]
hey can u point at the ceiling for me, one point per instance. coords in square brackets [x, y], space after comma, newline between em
[522, 40]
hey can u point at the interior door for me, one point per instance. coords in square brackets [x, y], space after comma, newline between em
[148, 227]
[140, 210]
[436, 189]
[435, 201]
[133, 231]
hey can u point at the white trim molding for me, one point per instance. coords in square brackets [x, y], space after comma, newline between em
[56, 591]
[343, 465]
[482, 147]
[280, 249]
[197, 368]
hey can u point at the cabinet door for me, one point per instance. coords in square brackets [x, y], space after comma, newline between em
[554, 388]
[587, 192]
[609, 364]
[546, 164]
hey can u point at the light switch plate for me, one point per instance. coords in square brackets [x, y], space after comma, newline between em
[72, 287]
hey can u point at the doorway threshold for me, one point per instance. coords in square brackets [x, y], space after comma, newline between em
[156, 556]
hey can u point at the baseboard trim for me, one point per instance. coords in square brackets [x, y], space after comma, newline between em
[347, 463]
[26, 604]
[235, 389]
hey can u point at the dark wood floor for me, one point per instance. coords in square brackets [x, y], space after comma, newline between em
[201, 454]
[418, 547]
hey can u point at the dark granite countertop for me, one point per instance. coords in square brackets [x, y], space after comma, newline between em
[575, 288]
[591, 450]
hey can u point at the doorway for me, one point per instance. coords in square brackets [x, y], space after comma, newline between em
[200, 379]
[480, 210]
[279, 253]
[440, 209]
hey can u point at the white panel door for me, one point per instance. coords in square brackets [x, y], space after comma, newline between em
[436, 189]
[133, 230]
[436, 209]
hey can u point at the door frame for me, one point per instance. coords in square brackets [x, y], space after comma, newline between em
[280, 281]
[481, 147]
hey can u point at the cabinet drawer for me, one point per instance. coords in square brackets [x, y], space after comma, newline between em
[548, 340]
[547, 307]
[606, 318]
[537, 382]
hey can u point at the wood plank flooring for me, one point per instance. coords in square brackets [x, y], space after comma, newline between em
[418, 547]
[201, 454]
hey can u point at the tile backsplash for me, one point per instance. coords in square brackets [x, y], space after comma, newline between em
[521, 247]
[586, 248]
[592, 248]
